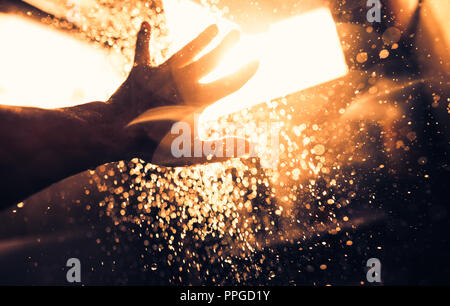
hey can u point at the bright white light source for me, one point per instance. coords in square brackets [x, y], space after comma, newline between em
[44, 68]
[294, 54]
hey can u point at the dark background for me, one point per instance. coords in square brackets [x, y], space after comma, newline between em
[410, 239]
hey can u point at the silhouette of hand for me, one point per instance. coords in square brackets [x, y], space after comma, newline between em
[152, 98]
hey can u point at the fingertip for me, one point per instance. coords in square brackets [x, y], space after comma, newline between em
[210, 32]
[212, 29]
[254, 64]
[145, 26]
[251, 68]
[144, 32]
[247, 71]
[232, 38]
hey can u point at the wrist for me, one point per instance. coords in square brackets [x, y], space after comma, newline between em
[114, 141]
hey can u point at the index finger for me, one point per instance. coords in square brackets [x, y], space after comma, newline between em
[188, 52]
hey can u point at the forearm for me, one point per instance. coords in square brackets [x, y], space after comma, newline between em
[40, 147]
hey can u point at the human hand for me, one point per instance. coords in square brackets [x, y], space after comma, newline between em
[172, 92]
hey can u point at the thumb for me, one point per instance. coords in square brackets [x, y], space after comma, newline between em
[142, 53]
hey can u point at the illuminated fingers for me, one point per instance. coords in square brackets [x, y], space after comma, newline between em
[216, 90]
[178, 84]
[188, 53]
[208, 62]
[142, 54]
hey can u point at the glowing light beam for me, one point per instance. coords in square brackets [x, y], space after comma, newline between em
[41, 67]
[294, 54]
